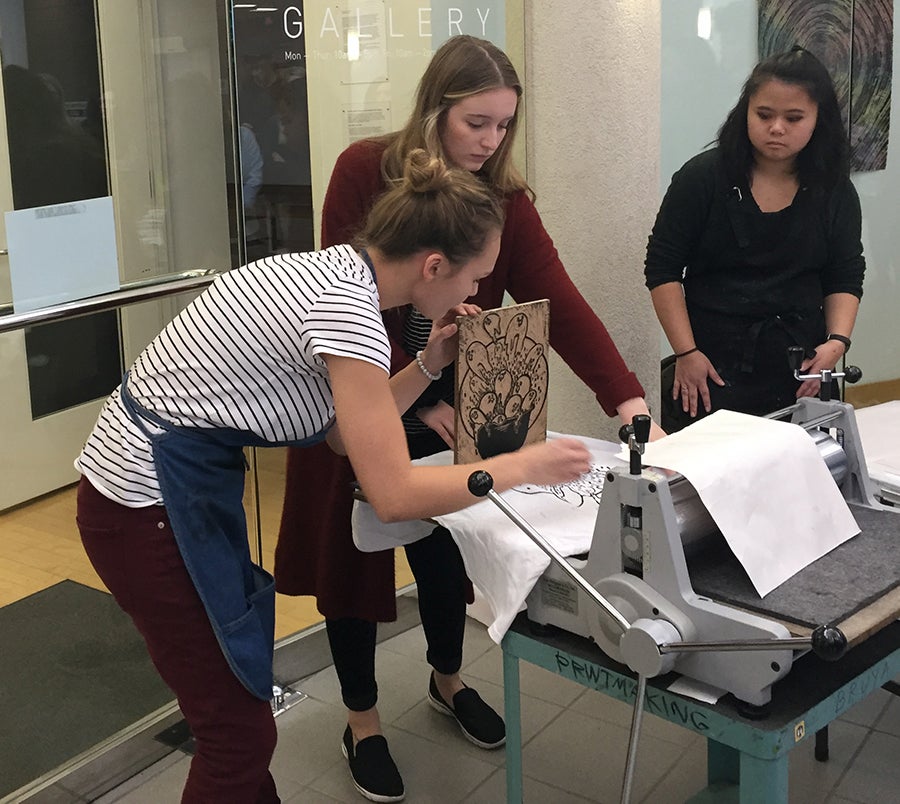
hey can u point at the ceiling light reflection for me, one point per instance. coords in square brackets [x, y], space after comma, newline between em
[704, 22]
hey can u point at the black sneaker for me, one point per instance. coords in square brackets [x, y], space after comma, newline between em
[373, 770]
[479, 723]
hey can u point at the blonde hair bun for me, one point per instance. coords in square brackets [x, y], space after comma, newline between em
[433, 206]
[424, 173]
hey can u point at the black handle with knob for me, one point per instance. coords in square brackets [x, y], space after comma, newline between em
[828, 642]
[636, 435]
[480, 483]
[795, 357]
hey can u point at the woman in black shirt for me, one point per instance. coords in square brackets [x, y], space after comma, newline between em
[756, 247]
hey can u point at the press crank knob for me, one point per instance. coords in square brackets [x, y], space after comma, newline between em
[795, 357]
[829, 643]
[625, 433]
[641, 425]
[852, 374]
[480, 483]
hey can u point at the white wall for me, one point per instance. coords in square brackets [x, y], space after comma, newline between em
[592, 81]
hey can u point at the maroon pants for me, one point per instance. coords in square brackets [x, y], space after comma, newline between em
[134, 553]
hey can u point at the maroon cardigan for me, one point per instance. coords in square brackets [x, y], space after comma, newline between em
[315, 554]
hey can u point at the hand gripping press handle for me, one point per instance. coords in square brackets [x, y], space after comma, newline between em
[851, 374]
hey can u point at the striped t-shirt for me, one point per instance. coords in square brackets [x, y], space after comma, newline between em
[245, 355]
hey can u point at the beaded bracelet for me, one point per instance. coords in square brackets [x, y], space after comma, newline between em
[688, 352]
[424, 369]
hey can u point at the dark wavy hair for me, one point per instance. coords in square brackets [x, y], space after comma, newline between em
[826, 158]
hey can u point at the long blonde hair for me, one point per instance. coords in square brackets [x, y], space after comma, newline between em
[461, 67]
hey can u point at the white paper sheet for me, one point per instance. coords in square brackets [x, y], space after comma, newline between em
[879, 429]
[766, 487]
[501, 561]
[698, 690]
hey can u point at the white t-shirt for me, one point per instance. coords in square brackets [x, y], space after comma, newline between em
[245, 355]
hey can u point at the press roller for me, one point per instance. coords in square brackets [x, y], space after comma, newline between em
[693, 520]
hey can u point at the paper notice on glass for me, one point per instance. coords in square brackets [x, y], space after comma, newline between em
[61, 253]
[364, 123]
[765, 486]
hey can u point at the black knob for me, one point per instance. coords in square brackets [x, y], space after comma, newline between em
[829, 643]
[480, 483]
[641, 424]
[852, 374]
[795, 357]
[624, 433]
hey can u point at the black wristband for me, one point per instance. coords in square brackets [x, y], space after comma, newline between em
[842, 338]
[688, 352]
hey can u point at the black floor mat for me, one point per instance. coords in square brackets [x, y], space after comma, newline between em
[73, 672]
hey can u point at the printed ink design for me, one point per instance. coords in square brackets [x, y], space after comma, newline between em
[587, 487]
[504, 386]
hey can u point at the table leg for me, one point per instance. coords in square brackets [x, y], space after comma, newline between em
[764, 781]
[723, 764]
[821, 750]
[512, 714]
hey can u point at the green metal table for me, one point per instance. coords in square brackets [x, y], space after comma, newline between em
[747, 758]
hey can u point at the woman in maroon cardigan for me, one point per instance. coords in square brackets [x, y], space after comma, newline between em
[466, 110]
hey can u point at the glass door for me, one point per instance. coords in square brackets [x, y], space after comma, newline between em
[125, 103]
[313, 76]
[56, 155]
[143, 125]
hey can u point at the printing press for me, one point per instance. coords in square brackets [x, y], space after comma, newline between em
[660, 591]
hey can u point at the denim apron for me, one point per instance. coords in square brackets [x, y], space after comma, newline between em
[201, 475]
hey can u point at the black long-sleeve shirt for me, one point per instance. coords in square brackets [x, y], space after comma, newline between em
[736, 260]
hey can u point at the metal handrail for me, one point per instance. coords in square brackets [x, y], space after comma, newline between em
[129, 293]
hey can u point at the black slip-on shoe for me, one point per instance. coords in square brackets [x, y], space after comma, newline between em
[478, 722]
[373, 770]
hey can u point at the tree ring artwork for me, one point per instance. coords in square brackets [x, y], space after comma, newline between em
[855, 41]
[502, 373]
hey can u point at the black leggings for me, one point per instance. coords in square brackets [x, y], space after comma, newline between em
[438, 568]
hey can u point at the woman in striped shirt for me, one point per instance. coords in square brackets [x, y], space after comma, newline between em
[274, 353]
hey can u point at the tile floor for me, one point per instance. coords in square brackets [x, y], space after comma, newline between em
[574, 744]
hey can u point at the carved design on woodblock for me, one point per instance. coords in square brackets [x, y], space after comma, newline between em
[502, 376]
